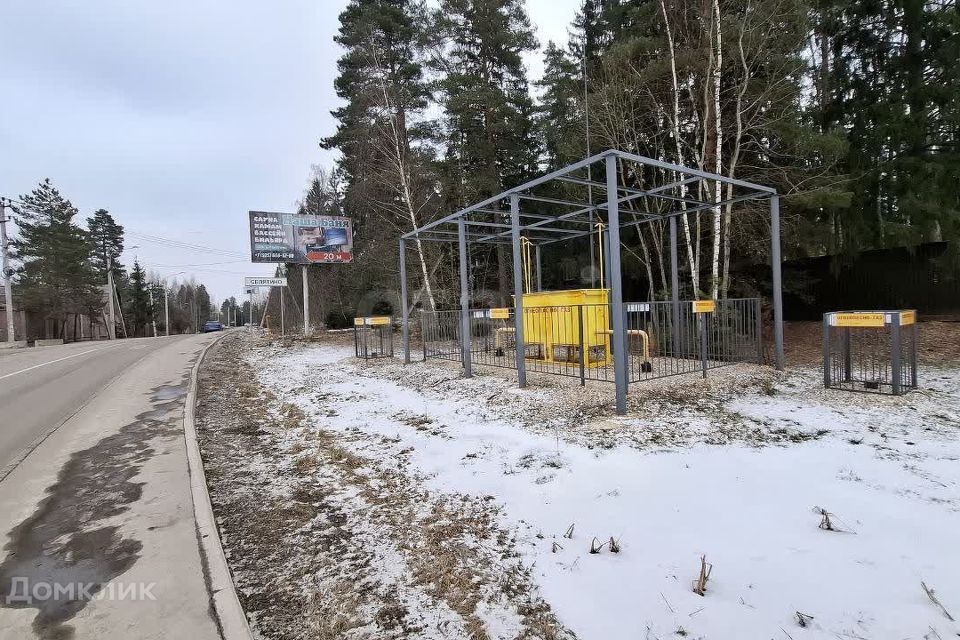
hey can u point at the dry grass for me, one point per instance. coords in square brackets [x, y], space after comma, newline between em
[332, 614]
[700, 584]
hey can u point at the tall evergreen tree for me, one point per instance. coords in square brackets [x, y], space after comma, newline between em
[138, 309]
[487, 100]
[106, 236]
[55, 274]
[491, 141]
[387, 160]
[560, 114]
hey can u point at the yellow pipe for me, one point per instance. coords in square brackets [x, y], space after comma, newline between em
[527, 268]
[633, 332]
[600, 226]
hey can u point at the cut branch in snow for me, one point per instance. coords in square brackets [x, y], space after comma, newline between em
[596, 546]
[803, 619]
[613, 545]
[569, 533]
[933, 598]
[825, 522]
[700, 584]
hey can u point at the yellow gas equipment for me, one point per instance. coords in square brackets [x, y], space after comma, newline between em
[552, 326]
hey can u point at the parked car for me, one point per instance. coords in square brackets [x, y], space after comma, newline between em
[212, 325]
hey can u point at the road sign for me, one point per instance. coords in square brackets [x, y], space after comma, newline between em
[264, 282]
[300, 239]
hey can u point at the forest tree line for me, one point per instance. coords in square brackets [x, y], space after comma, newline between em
[848, 108]
[60, 273]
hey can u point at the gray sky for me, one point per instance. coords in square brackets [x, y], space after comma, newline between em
[178, 116]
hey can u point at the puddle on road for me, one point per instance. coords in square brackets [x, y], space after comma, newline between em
[63, 543]
[169, 392]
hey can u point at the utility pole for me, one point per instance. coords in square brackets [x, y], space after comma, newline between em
[153, 313]
[166, 308]
[7, 272]
[112, 329]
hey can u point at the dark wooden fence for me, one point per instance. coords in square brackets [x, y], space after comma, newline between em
[925, 277]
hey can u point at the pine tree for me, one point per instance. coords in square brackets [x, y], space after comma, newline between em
[491, 140]
[138, 310]
[55, 276]
[560, 114]
[107, 238]
[388, 161]
[488, 104]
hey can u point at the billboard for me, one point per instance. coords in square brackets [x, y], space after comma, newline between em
[300, 239]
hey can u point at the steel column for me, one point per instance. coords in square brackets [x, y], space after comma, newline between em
[464, 300]
[827, 364]
[616, 289]
[896, 353]
[404, 310]
[674, 289]
[519, 342]
[306, 302]
[775, 260]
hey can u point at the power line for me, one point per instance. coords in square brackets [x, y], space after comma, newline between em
[178, 244]
[202, 264]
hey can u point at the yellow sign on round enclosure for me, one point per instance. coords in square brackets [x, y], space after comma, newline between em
[859, 319]
[704, 306]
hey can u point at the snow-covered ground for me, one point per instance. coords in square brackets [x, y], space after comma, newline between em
[887, 470]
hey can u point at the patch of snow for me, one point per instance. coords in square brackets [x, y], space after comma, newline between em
[886, 468]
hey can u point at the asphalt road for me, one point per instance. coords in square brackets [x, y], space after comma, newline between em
[97, 526]
[41, 387]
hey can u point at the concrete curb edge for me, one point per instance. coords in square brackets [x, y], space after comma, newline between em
[223, 594]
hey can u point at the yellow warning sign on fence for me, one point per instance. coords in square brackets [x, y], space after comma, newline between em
[704, 306]
[908, 317]
[371, 321]
[500, 313]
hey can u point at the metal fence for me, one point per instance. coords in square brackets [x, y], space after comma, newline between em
[876, 358]
[663, 339]
[373, 341]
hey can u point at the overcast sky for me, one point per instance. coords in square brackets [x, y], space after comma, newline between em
[178, 116]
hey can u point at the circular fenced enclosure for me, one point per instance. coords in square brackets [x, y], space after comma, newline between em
[870, 351]
[373, 337]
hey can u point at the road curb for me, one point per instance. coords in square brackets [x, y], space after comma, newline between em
[223, 593]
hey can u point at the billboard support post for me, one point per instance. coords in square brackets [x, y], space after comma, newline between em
[306, 302]
[283, 330]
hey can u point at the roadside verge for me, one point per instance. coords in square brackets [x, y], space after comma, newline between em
[223, 594]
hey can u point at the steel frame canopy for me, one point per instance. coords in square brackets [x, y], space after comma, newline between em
[542, 219]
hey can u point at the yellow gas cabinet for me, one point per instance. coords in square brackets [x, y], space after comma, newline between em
[552, 326]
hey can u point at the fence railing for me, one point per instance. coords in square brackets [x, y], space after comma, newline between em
[663, 339]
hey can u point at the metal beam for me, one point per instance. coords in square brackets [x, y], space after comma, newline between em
[775, 264]
[464, 301]
[616, 288]
[404, 309]
[669, 166]
[674, 290]
[564, 174]
[518, 335]
[576, 166]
